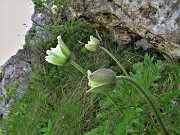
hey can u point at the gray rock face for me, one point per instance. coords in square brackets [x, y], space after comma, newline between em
[158, 21]
[17, 69]
[14, 75]
[39, 20]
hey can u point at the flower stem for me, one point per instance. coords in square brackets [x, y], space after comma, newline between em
[112, 100]
[114, 58]
[78, 67]
[148, 100]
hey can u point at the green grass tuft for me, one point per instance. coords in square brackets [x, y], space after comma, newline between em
[56, 103]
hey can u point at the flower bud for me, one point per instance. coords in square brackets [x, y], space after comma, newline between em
[93, 44]
[59, 55]
[102, 81]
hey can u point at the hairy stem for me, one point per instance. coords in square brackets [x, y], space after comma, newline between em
[148, 100]
[78, 67]
[114, 58]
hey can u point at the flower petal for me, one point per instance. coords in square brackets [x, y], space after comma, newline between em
[63, 47]
[90, 42]
[89, 72]
[57, 51]
[94, 40]
[55, 58]
[105, 88]
[50, 61]
[103, 75]
[91, 47]
[93, 84]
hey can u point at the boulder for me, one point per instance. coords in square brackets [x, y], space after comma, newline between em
[157, 21]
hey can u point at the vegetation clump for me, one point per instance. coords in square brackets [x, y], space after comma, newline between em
[56, 101]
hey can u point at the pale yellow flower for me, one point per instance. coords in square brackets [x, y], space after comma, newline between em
[93, 44]
[59, 55]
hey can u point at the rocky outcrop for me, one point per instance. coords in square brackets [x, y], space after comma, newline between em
[13, 78]
[157, 21]
[17, 70]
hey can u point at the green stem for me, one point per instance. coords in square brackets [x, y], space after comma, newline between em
[148, 100]
[78, 67]
[112, 100]
[114, 58]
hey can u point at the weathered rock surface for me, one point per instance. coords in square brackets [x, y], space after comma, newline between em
[15, 70]
[39, 20]
[158, 21]
[18, 68]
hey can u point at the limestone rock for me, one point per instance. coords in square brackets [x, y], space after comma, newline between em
[158, 21]
[18, 68]
[13, 79]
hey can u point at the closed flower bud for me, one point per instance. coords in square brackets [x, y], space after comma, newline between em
[59, 55]
[93, 44]
[102, 81]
